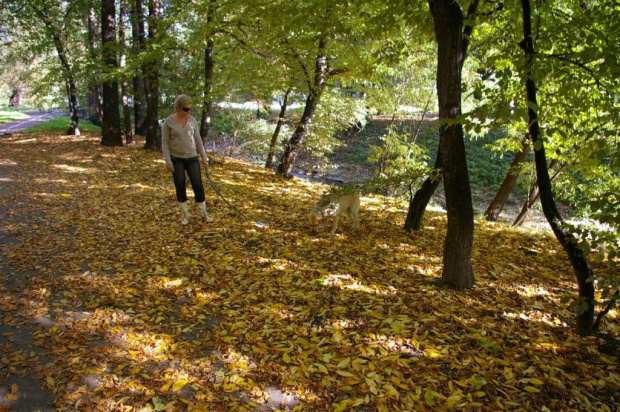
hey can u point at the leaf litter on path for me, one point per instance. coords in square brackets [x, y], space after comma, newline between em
[145, 314]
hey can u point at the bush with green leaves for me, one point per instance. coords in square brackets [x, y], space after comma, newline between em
[336, 112]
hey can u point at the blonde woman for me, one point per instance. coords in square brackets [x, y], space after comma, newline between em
[182, 146]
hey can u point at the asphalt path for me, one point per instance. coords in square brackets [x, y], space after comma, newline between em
[36, 117]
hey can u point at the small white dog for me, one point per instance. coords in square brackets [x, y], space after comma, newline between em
[332, 206]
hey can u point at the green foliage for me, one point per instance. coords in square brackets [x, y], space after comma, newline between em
[61, 124]
[336, 112]
[244, 133]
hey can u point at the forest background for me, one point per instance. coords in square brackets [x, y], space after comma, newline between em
[532, 88]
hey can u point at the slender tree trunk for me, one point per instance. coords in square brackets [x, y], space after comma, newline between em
[287, 161]
[139, 94]
[449, 22]
[123, 62]
[151, 82]
[501, 197]
[276, 133]
[532, 196]
[95, 104]
[207, 109]
[74, 110]
[417, 205]
[581, 266]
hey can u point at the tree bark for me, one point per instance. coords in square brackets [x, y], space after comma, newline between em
[501, 197]
[448, 21]
[276, 133]
[111, 125]
[207, 109]
[95, 111]
[417, 206]
[581, 266]
[139, 94]
[287, 161]
[15, 100]
[124, 84]
[151, 82]
[532, 196]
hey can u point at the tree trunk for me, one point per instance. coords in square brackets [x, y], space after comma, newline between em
[276, 133]
[139, 93]
[581, 266]
[285, 166]
[501, 197]
[151, 83]
[16, 95]
[207, 110]
[74, 110]
[124, 84]
[532, 196]
[95, 105]
[448, 21]
[111, 125]
[417, 206]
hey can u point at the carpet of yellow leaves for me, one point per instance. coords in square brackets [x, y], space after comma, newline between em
[253, 312]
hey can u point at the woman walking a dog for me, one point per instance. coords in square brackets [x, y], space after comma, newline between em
[182, 144]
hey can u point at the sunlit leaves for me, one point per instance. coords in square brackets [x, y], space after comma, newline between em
[144, 314]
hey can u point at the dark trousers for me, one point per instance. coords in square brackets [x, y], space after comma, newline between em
[192, 167]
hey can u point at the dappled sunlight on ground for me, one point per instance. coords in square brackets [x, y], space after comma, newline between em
[255, 312]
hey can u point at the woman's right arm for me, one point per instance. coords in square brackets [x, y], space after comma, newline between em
[165, 139]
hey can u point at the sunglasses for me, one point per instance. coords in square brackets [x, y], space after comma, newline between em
[186, 109]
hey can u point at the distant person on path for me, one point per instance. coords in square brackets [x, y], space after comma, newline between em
[181, 145]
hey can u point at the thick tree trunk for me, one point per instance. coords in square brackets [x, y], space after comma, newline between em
[15, 100]
[287, 161]
[276, 133]
[124, 84]
[139, 93]
[501, 197]
[581, 266]
[151, 83]
[417, 206]
[111, 125]
[95, 104]
[448, 21]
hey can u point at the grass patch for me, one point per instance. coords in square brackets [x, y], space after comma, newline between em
[8, 115]
[61, 124]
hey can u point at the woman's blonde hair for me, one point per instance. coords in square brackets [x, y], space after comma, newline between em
[181, 101]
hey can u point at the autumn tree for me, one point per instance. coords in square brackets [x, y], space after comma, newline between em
[54, 24]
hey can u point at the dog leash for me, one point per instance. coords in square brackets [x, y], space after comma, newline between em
[216, 190]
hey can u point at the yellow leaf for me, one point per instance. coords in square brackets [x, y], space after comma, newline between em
[164, 388]
[322, 368]
[453, 400]
[345, 373]
[531, 389]
[286, 358]
[14, 388]
[536, 381]
[343, 363]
